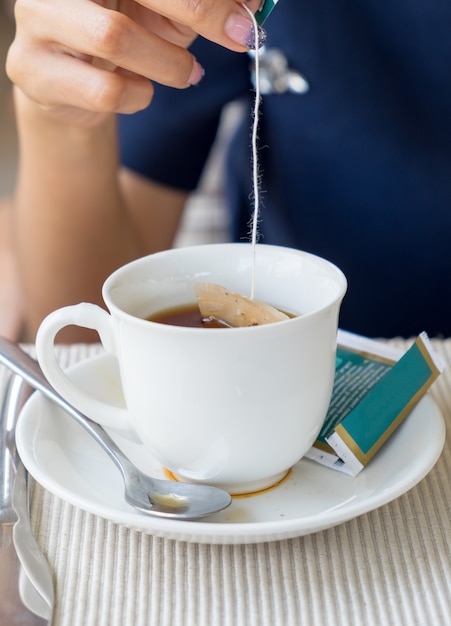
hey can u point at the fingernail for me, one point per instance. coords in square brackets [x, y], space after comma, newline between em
[197, 73]
[241, 30]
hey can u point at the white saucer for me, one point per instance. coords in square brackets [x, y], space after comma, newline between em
[61, 456]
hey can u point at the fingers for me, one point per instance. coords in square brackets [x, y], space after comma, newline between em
[119, 40]
[225, 22]
[110, 35]
[62, 80]
[67, 81]
[54, 57]
[51, 59]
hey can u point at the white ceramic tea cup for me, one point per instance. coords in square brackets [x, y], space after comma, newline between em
[234, 407]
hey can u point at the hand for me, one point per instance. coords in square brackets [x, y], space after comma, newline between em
[82, 59]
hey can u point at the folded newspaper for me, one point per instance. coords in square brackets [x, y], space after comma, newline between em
[376, 386]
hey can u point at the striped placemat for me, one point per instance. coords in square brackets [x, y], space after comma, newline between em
[388, 567]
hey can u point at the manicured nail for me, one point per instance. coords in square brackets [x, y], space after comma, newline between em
[241, 30]
[197, 73]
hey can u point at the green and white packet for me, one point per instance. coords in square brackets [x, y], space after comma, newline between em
[265, 9]
[376, 386]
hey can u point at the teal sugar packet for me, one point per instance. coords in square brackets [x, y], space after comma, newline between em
[265, 9]
[375, 389]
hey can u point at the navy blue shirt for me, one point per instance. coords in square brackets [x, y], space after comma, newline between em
[357, 170]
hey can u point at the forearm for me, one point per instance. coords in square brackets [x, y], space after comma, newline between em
[75, 65]
[72, 227]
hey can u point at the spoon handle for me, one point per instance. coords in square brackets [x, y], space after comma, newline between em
[21, 363]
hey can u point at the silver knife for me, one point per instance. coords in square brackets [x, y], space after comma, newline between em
[16, 538]
[35, 580]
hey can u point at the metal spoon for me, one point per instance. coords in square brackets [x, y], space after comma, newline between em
[162, 498]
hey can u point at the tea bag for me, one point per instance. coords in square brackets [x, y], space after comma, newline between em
[234, 309]
[216, 301]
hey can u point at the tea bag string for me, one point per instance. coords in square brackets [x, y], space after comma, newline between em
[256, 115]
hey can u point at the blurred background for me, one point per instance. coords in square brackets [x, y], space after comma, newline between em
[8, 143]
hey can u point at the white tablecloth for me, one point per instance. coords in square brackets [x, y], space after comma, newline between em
[388, 567]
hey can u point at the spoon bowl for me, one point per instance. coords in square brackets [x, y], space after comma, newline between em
[152, 496]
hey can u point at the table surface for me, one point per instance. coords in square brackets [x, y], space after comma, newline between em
[390, 566]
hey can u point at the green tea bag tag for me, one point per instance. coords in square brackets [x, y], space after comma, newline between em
[265, 9]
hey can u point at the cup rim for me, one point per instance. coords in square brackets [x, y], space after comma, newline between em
[173, 252]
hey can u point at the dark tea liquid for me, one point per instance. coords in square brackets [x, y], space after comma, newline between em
[189, 315]
[185, 315]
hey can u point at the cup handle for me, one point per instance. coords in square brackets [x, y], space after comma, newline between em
[88, 316]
